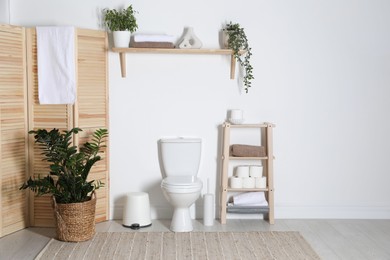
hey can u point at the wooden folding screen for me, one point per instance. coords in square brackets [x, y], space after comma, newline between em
[13, 129]
[89, 113]
[20, 111]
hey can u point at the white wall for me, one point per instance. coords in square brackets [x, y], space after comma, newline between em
[4, 11]
[322, 76]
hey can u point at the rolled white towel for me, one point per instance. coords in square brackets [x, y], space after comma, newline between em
[250, 199]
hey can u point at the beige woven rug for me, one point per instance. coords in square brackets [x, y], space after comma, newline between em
[193, 245]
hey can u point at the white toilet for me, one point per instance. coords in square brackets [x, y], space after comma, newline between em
[180, 158]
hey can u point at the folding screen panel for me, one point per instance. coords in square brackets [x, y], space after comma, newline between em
[13, 129]
[91, 109]
[41, 116]
[89, 113]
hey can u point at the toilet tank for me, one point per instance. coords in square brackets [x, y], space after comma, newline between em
[181, 156]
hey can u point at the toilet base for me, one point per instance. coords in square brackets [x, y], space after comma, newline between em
[181, 220]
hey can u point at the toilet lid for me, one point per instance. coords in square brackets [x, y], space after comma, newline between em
[181, 182]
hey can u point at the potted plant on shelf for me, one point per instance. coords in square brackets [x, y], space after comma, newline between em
[121, 23]
[234, 38]
[73, 194]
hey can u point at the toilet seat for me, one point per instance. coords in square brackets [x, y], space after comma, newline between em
[181, 184]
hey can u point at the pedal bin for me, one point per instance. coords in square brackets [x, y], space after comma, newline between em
[136, 211]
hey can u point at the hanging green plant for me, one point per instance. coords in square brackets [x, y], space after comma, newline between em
[237, 41]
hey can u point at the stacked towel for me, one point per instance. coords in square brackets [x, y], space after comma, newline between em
[250, 199]
[56, 65]
[161, 45]
[242, 150]
[153, 41]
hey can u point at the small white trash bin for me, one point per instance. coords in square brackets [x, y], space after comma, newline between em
[136, 211]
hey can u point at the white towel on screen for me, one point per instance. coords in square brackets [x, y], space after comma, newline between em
[56, 64]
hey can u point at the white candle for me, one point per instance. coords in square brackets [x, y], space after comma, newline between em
[236, 116]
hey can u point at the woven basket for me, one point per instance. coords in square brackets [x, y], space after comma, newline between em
[75, 221]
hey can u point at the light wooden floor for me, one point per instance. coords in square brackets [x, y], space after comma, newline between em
[331, 239]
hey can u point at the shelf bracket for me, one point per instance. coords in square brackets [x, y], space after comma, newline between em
[122, 57]
[232, 66]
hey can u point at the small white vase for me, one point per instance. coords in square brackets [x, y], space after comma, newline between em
[121, 39]
[189, 40]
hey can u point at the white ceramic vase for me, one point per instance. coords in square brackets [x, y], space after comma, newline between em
[189, 40]
[121, 39]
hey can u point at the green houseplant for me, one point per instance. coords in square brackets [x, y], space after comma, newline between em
[68, 181]
[122, 23]
[236, 39]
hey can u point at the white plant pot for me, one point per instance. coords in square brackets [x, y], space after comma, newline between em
[121, 39]
[225, 40]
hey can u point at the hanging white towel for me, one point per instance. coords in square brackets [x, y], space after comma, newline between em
[250, 199]
[56, 65]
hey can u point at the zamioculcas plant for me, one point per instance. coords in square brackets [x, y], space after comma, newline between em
[67, 180]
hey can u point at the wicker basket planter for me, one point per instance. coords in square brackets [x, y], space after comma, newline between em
[75, 222]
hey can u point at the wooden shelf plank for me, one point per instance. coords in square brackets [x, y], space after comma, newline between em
[122, 55]
[262, 125]
[246, 190]
[249, 125]
[248, 158]
[175, 51]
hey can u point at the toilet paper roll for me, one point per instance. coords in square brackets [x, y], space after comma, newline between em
[242, 171]
[261, 182]
[248, 183]
[208, 209]
[235, 182]
[256, 171]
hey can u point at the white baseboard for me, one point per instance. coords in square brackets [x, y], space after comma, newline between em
[345, 212]
[159, 212]
[281, 212]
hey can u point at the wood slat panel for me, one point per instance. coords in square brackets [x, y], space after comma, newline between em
[13, 129]
[41, 116]
[89, 113]
[92, 105]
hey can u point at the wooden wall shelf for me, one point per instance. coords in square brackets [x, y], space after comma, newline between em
[122, 55]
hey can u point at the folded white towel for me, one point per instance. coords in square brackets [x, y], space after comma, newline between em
[250, 199]
[154, 38]
[56, 65]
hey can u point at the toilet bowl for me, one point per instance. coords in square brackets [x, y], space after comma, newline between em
[180, 158]
[181, 193]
